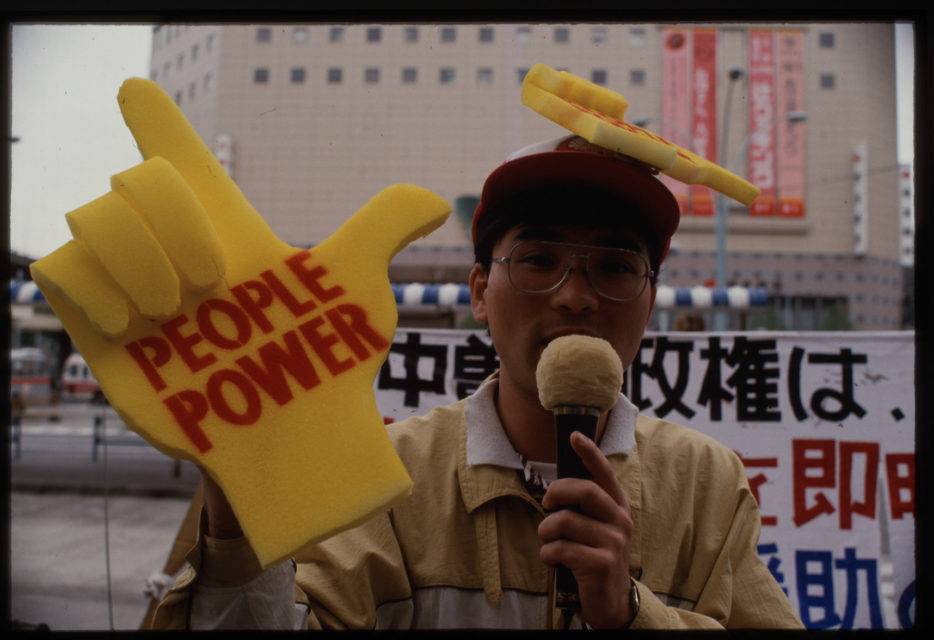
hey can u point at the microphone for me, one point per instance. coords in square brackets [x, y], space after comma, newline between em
[578, 378]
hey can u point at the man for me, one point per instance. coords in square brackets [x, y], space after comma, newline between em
[568, 239]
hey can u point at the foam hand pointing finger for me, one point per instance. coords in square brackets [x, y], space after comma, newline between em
[221, 344]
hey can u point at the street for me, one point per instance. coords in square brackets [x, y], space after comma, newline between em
[59, 564]
[90, 519]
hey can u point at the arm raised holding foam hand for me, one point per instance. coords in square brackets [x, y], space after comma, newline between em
[220, 344]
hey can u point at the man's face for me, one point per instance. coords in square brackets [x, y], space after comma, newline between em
[522, 324]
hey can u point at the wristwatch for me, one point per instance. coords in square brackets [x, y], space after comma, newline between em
[634, 602]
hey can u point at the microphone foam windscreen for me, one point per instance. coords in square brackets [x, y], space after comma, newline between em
[579, 371]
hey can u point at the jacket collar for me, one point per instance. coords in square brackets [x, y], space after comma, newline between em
[487, 462]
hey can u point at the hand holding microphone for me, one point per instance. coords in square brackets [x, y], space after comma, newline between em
[579, 377]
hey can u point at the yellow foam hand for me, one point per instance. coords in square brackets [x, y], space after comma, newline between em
[596, 114]
[223, 345]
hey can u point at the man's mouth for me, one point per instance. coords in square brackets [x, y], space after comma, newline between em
[568, 331]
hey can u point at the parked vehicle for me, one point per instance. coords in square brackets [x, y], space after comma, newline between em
[78, 381]
[33, 379]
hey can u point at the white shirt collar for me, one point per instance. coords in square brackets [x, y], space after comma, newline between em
[487, 442]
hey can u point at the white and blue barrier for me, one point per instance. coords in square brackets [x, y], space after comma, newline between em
[457, 295]
[25, 292]
[454, 295]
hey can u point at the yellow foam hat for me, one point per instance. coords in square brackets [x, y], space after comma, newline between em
[596, 114]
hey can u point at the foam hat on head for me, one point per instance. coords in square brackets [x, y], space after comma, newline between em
[572, 160]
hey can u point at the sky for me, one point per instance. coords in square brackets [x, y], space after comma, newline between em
[71, 137]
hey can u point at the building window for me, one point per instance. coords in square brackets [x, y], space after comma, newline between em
[180, 60]
[264, 34]
[637, 37]
[300, 35]
[409, 75]
[447, 75]
[371, 75]
[598, 35]
[194, 52]
[335, 75]
[598, 76]
[374, 34]
[562, 35]
[485, 75]
[191, 90]
[485, 34]
[260, 75]
[298, 75]
[210, 42]
[448, 34]
[637, 77]
[411, 34]
[178, 97]
[523, 35]
[165, 69]
[207, 82]
[828, 81]
[826, 40]
[336, 34]
[522, 73]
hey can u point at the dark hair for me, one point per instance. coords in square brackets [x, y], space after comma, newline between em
[577, 206]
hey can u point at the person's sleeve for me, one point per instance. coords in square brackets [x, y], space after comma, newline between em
[739, 591]
[233, 595]
[224, 587]
[357, 579]
[353, 580]
[756, 600]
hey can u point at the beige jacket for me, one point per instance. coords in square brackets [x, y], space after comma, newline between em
[462, 550]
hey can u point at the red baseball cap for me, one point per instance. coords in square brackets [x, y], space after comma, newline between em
[573, 160]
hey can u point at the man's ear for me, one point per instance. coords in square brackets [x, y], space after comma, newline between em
[479, 277]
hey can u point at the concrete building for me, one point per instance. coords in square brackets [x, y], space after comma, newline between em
[312, 120]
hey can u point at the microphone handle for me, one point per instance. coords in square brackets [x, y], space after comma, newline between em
[569, 419]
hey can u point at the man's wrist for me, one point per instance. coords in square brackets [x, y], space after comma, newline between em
[634, 605]
[227, 562]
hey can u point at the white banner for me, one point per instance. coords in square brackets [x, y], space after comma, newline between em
[824, 423]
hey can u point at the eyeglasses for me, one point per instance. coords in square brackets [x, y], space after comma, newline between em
[541, 266]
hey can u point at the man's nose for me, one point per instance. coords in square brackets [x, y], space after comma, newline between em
[576, 293]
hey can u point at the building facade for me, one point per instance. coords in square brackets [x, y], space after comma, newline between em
[311, 120]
